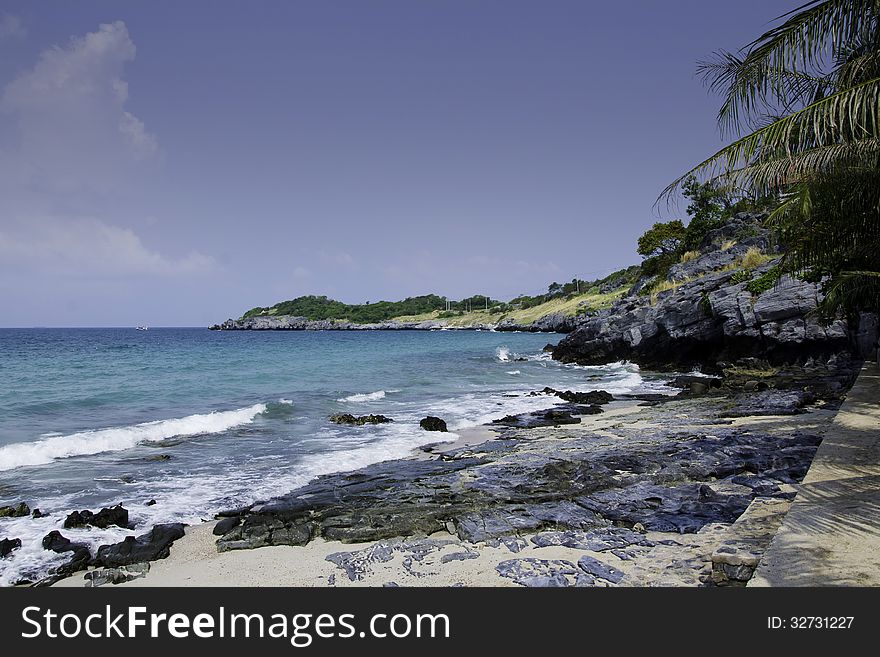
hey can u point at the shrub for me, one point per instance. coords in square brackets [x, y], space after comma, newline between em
[754, 257]
[687, 256]
[706, 305]
[764, 282]
[663, 238]
[663, 286]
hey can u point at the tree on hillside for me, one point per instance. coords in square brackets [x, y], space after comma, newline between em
[802, 102]
[662, 239]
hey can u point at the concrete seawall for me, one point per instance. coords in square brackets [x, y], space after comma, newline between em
[831, 534]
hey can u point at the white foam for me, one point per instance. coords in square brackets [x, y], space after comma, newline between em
[116, 439]
[514, 372]
[365, 397]
[502, 354]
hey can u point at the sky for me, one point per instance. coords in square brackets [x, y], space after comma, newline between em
[175, 164]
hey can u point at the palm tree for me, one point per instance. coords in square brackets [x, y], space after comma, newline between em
[802, 102]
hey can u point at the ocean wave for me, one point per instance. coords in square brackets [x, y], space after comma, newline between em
[365, 397]
[502, 354]
[116, 439]
[514, 372]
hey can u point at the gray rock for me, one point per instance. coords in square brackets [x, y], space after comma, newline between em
[103, 576]
[226, 525]
[348, 418]
[104, 518]
[595, 540]
[599, 569]
[541, 573]
[7, 545]
[155, 544]
[432, 423]
[19, 511]
[80, 555]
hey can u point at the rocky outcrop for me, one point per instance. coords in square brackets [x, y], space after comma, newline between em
[590, 398]
[360, 420]
[7, 545]
[292, 323]
[432, 423]
[79, 559]
[155, 544]
[104, 518]
[710, 319]
[669, 480]
[552, 323]
[19, 511]
[103, 576]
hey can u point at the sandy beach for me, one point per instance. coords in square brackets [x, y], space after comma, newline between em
[619, 554]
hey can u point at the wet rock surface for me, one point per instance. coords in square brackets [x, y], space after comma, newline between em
[597, 489]
[155, 544]
[7, 545]
[432, 423]
[79, 559]
[360, 420]
[104, 518]
[18, 511]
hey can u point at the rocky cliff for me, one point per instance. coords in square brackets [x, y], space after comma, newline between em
[291, 323]
[719, 308]
[715, 313]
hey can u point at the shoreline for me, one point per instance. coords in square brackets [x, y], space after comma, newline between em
[546, 555]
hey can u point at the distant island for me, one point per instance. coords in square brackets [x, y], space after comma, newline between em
[712, 287]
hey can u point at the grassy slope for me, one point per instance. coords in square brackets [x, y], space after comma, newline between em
[526, 315]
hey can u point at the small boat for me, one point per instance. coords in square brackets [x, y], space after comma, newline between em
[142, 328]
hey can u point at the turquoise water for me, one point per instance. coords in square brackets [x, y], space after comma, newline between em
[201, 421]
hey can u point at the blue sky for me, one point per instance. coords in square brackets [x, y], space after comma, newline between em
[178, 163]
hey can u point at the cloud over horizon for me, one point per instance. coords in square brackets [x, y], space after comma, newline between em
[73, 130]
[90, 246]
[72, 144]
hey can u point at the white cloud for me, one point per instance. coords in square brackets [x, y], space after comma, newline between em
[11, 27]
[88, 245]
[73, 127]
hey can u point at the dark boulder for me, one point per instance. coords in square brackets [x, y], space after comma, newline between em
[432, 423]
[226, 525]
[116, 515]
[686, 381]
[348, 418]
[7, 545]
[548, 418]
[38, 514]
[55, 541]
[592, 397]
[19, 511]
[155, 544]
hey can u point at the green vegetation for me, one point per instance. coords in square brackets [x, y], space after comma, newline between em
[765, 281]
[318, 308]
[803, 104]
[564, 298]
[662, 239]
[753, 258]
[710, 207]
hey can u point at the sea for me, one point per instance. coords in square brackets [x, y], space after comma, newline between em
[177, 424]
